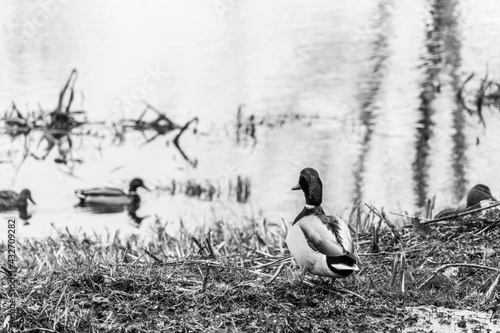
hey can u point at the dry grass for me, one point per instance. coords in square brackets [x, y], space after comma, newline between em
[228, 278]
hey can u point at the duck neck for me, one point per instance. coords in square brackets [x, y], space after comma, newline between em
[22, 203]
[313, 197]
[311, 206]
[313, 210]
[309, 210]
[132, 190]
[313, 191]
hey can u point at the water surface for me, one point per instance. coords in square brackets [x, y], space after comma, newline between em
[374, 80]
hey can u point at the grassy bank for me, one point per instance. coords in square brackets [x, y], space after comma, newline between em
[239, 278]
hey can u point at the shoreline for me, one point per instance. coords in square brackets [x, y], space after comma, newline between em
[217, 278]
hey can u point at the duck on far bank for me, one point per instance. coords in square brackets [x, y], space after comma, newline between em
[110, 195]
[10, 200]
[476, 194]
[320, 244]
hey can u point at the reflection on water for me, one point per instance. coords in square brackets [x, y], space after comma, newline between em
[432, 64]
[22, 212]
[131, 209]
[365, 94]
[371, 88]
[442, 57]
[453, 59]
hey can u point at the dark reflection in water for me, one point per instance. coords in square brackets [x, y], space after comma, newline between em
[24, 215]
[22, 211]
[432, 63]
[442, 47]
[131, 209]
[453, 59]
[371, 88]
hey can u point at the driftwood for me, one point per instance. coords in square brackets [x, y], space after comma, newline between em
[162, 125]
[448, 217]
[58, 126]
[455, 216]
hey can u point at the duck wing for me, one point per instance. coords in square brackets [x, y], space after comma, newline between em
[321, 242]
[328, 235]
[8, 195]
[100, 191]
[341, 231]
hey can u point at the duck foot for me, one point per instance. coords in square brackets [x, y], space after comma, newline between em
[299, 280]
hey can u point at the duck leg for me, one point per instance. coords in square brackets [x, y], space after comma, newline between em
[302, 275]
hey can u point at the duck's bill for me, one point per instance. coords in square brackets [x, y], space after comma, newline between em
[146, 188]
[296, 187]
[33, 201]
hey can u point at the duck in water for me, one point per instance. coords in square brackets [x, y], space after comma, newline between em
[10, 200]
[110, 196]
[320, 244]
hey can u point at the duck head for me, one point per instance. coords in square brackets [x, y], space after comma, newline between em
[24, 196]
[477, 194]
[311, 185]
[135, 184]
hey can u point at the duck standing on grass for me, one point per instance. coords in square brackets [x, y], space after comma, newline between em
[320, 244]
[10, 200]
[110, 196]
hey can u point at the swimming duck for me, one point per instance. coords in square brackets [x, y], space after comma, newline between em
[110, 195]
[10, 200]
[476, 194]
[320, 244]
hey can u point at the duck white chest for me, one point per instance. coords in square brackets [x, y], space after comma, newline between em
[305, 256]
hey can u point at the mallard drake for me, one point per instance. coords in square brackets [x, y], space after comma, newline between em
[110, 195]
[10, 200]
[321, 244]
[476, 194]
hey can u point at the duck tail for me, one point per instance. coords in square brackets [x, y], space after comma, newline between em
[343, 265]
[80, 195]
